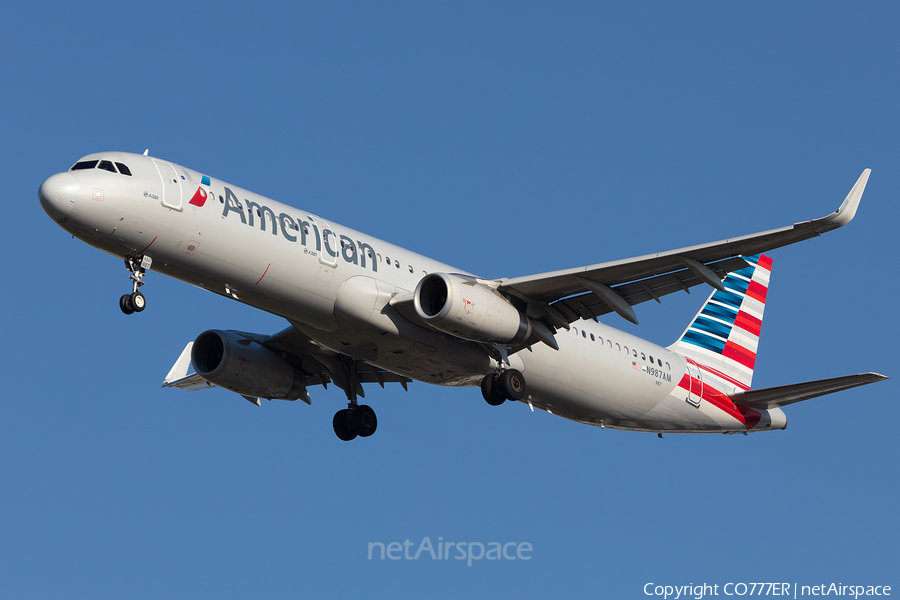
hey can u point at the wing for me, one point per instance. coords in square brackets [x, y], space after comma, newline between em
[317, 364]
[565, 296]
[323, 366]
[797, 392]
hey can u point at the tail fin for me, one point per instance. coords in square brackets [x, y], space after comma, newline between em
[724, 335]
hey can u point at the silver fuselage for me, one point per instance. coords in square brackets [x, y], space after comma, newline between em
[336, 285]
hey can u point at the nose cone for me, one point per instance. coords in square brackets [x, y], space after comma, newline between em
[58, 195]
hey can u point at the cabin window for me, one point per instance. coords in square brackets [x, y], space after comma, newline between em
[397, 263]
[410, 269]
[643, 356]
[592, 337]
[387, 259]
[583, 334]
[618, 348]
[85, 164]
[659, 361]
[651, 360]
[668, 368]
[634, 352]
[124, 170]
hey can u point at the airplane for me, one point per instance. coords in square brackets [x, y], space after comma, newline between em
[361, 310]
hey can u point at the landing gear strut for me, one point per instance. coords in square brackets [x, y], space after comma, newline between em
[135, 301]
[508, 385]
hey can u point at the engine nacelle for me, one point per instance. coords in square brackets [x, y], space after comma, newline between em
[463, 307]
[244, 366]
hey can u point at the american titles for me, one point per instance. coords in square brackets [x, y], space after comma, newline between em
[298, 231]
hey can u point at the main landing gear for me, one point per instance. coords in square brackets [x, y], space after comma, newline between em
[135, 301]
[356, 420]
[507, 385]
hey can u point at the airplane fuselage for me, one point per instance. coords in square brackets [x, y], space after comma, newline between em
[337, 286]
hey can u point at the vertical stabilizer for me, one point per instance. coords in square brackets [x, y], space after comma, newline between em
[723, 337]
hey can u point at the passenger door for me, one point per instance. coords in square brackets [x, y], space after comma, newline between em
[695, 388]
[171, 184]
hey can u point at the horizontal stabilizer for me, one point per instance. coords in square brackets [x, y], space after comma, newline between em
[798, 392]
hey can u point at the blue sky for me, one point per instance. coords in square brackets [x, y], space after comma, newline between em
[505, 139]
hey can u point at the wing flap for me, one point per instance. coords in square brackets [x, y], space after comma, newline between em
[322, 366]
[789, 394]
[590, 306]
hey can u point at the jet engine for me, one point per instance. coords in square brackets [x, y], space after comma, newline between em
[243, 365]
[461, 306]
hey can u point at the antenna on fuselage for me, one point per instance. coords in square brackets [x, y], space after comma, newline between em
[146, 151]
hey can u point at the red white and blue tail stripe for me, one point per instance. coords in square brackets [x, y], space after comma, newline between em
[723, 337]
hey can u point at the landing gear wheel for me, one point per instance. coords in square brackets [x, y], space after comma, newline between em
[490, 391]
[512, 384]
[126, 305]
[138, 302]
[341, 424]
[363, 421]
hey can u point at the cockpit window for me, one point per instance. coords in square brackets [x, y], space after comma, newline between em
[107, 166]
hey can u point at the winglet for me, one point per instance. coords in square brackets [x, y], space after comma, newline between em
[180, 369]
[847, 210]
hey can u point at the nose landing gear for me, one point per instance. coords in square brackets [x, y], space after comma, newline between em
[135, 301]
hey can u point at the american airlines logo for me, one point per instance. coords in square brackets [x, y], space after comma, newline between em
[297, 231]
[199, 198]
